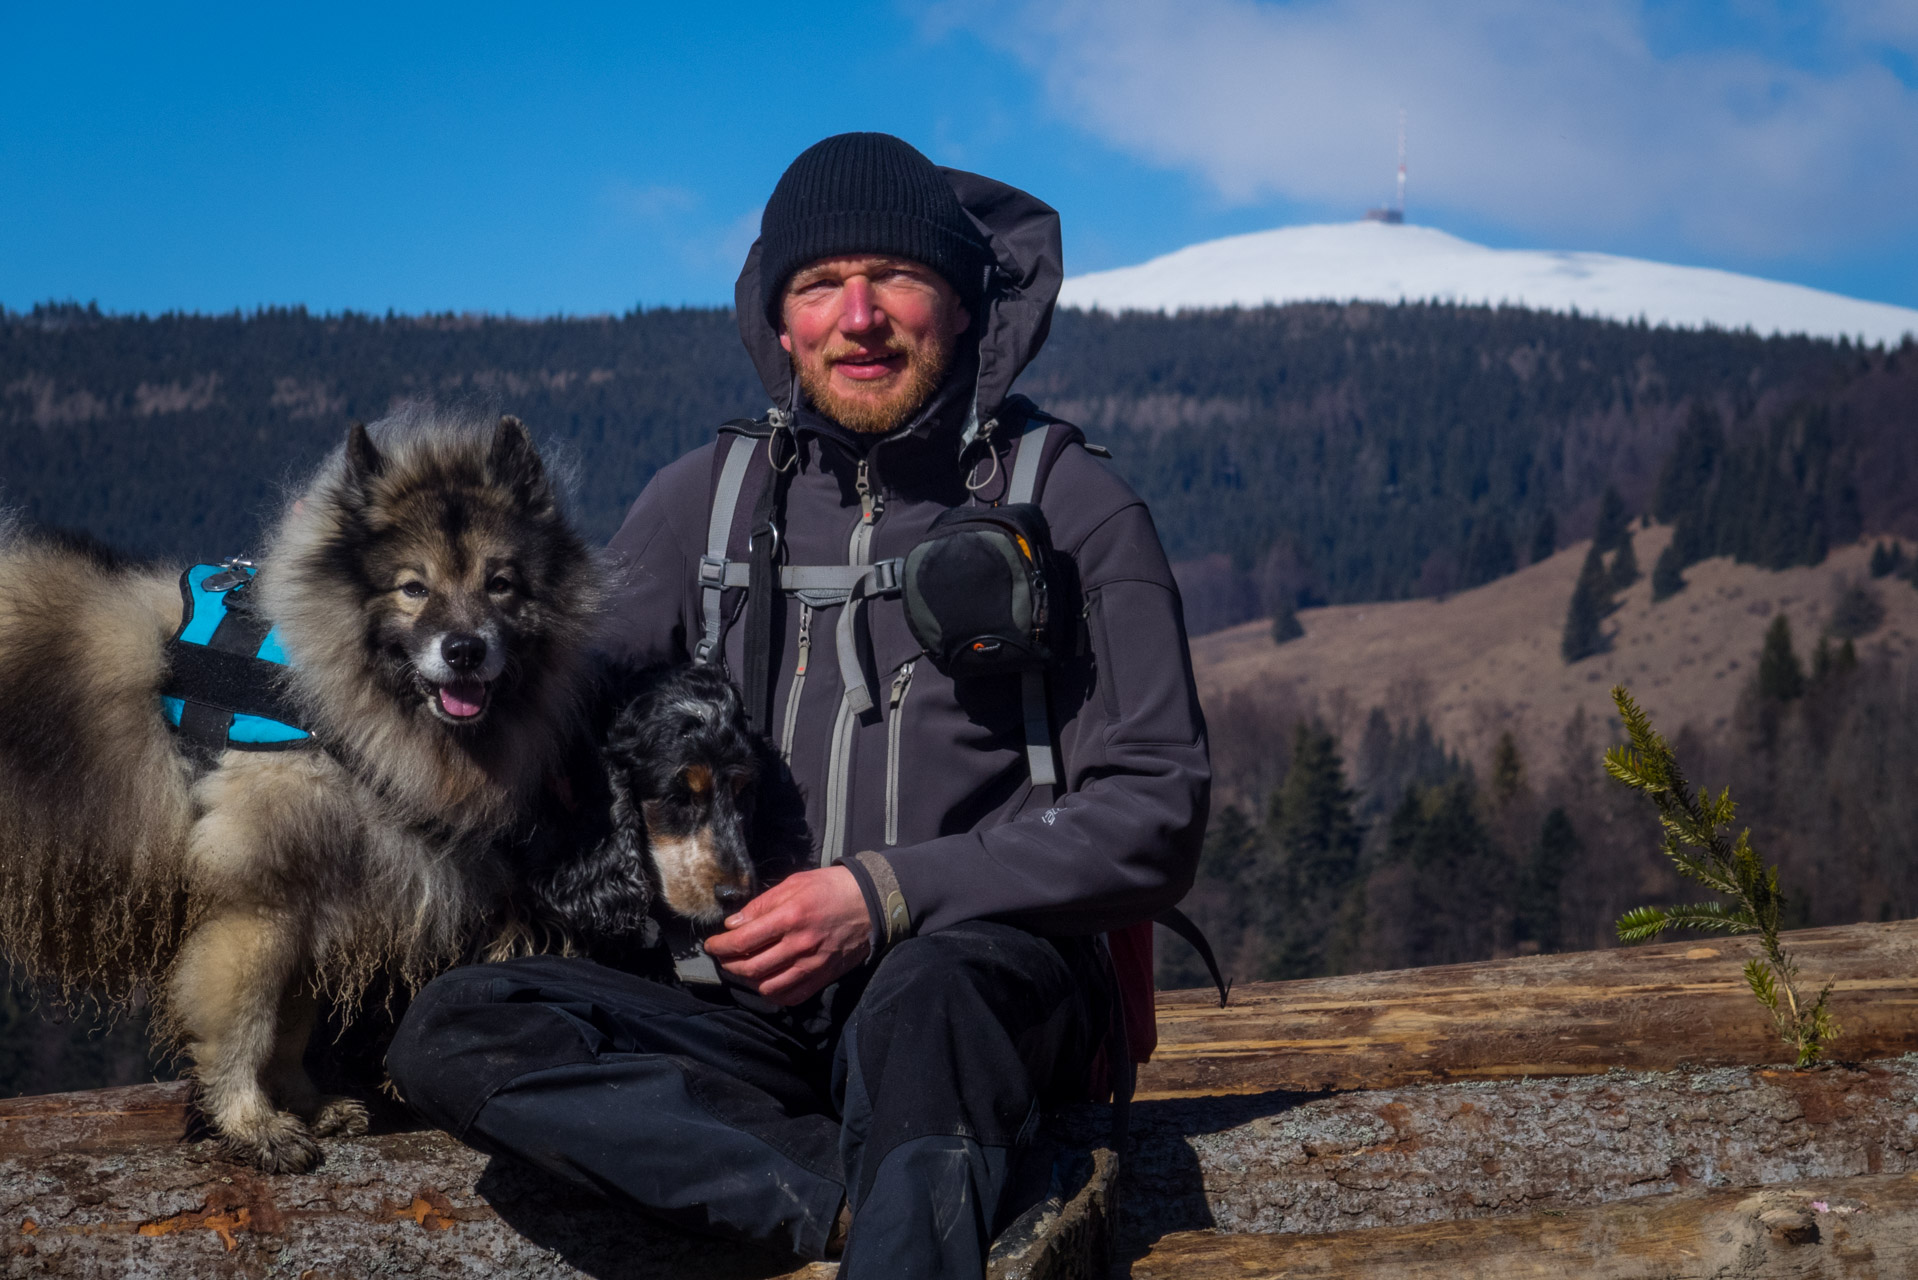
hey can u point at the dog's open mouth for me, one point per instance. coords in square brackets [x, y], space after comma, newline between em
[461, 701]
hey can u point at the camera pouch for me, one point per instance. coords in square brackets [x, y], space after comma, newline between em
[979, 591]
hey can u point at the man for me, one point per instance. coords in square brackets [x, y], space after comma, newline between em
[893, 1019]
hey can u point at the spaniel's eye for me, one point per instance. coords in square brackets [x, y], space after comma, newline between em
[500, 584]
[413, 590]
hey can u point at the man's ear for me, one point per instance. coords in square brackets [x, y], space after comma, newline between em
[963, 314]
[514, 462]
[364, 462]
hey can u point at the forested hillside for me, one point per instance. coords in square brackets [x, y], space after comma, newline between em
[1315, 453]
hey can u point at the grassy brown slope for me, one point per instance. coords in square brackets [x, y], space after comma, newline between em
[1485, 660]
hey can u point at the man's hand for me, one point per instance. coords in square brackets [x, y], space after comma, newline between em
[798, 937]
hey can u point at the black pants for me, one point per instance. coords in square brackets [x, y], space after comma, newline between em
[903, 1092]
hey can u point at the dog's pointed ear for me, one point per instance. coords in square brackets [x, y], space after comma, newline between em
[514, 463]
[364, 461]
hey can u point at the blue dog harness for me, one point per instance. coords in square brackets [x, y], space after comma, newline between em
[225, 669]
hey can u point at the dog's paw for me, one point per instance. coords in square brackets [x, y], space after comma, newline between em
[278, 1144]
[340, 1118]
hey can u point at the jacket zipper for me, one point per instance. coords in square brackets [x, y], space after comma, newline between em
[799, 683]
[832, 844]
[832, 841]
[872, 505]
[900, 684]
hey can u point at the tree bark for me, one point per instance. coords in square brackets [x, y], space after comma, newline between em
[1860, 1226]
[1291, 1163]
[117, 1181]
[1647, 1008]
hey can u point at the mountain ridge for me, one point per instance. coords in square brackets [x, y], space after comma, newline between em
[1379, 262]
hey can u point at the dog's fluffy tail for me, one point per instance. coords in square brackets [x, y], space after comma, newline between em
[95, 801]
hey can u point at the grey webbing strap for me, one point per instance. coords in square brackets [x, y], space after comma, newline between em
[821, 586]
[714, 571]
[1032, 695]
[812, 578]
[1032, 684]
[874, 580]
[1025, 462]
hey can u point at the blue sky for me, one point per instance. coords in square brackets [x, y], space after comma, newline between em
[589, 158]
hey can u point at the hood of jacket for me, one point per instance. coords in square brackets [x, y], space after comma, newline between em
[1014, 318]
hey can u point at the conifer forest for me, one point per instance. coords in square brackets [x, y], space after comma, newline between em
[1291, 457]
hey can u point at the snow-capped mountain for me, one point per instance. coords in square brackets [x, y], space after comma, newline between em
[1378, 262]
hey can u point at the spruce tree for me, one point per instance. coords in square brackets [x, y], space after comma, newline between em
[1856, 611]
[1614, 521]
[1285, 623]
[1625, 564]
[1544, 537]
[1458, 878]
[1585, 617]
[1668, 574]
[1538, 915]
[1780, 677]
[1311, 822]
[1508, 769]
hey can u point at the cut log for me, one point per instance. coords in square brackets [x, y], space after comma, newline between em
[112, 1182]
[1862, 1226]
[1429, 1153]
[102, 1183]
[1646, 1008]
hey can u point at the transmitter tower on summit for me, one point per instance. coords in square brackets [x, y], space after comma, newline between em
[1394, 213]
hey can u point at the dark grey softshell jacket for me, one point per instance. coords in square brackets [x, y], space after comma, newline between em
[937, 780]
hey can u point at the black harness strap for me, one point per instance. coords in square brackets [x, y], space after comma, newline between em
[222, 678]
[761, 590]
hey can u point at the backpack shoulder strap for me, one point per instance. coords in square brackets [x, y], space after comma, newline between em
[739, 449]
[1024, 484]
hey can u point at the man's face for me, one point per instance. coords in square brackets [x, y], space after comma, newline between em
[871, 336]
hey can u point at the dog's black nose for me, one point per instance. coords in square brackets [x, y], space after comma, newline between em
[463, 652]
[730, 899]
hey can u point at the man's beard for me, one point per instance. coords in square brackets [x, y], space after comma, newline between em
[925, 369]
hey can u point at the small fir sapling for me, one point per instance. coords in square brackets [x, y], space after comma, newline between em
[1730, 867]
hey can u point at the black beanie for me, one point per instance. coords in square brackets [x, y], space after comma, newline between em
[866, 193]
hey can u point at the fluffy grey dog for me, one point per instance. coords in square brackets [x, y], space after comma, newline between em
[437, 611]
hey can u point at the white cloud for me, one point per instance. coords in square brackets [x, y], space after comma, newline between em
[1556, 116]
[651, 203]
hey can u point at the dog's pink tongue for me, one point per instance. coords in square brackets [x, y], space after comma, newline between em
[463, 699]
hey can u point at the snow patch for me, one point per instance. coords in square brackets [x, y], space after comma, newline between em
[1374, 262]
